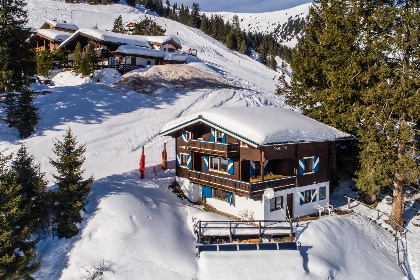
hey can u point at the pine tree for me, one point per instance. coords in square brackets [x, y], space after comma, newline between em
[17, 58]
[10, 108]
[118, 25]
[25, 114]
[16, 245]
[349, 73]
[44, 63]
[263, 53]
[33, 184]
[72, 189]
[231, 41]
[149, 28]
[77, 63]
[88, 63]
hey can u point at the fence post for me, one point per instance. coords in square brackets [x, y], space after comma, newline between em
[259, 225]
[230, 232]
[199, 232]
[348, 202]
[291, 230]
[378, 215]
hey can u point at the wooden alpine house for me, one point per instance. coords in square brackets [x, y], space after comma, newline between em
[229, 157]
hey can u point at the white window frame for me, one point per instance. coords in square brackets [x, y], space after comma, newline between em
[276, 203]
[313, 165]
[308, 196]
[183, 160]
[219, 163]
[188, 135]
[218, 135]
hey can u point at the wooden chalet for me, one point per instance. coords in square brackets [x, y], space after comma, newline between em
[229, 157]
[116, 49]
[59, 26]
[49, 39]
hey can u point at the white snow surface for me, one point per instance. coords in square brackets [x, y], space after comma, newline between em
[140, 51]
[264, 125]
[266, 22]
[63, 25]
[55, 35]
[108, 36]
[138, 228]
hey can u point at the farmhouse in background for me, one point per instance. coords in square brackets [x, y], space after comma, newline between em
[133, 51]
[51, 34]
[228, 157]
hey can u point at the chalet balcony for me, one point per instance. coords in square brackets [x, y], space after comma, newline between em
[239, 187]
[213, 148]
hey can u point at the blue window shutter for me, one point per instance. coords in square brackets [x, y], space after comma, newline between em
[302, 198]
[230, 198]
[313, 191]
[184, 136]
[206, 162]
[206, 192]
[251, 169]
[266, 167]
[302, 166]
[316, 164]
[224, 138]
[189, 161]
[230, 167]
[212, 135]
[178, 159]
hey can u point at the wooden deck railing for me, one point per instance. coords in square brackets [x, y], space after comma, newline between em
[212, 148]
[239, 187]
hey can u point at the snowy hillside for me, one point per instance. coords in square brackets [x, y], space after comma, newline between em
[138, 229]
[266, 22]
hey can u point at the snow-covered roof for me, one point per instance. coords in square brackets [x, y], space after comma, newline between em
[112, 37]
[162, 39]
[54, 35]
[63, 25]
[260, 125]
[139, 51]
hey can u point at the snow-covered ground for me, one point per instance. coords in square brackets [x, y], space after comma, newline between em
[138, 229]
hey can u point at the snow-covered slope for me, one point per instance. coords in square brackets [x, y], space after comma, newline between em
[138, 229]
[267, 22]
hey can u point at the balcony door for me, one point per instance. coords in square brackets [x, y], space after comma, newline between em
[290, 205]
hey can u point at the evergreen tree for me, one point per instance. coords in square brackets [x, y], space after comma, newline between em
[26, 117]
[88, 63]
[44, 63]
[263, 53]
[16, 245]
[77, 63]
[33, 184]
[118, 25]
[10, 108]
[17, 58]
[148, 27]
[231, 42]
[349, 73]
[72, 189]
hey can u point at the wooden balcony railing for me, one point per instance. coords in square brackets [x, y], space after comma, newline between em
[213, 148]
[240, 187]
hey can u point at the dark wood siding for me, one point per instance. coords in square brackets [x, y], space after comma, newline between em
[314, 149]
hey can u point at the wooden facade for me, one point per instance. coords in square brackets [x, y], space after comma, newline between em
[280, 162]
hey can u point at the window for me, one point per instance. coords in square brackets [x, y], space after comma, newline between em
[308, 195]
[219, 164]
[276, 203]
[222, 195]
[184, 160]
[214, 163]
[309, 165]
[224, 165]
[218, 136]
[149, 62]
[186, 135]
[322, 193]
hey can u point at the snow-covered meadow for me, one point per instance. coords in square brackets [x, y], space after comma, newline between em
[139, 229]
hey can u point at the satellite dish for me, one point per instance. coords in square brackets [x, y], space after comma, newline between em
[269, 193]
